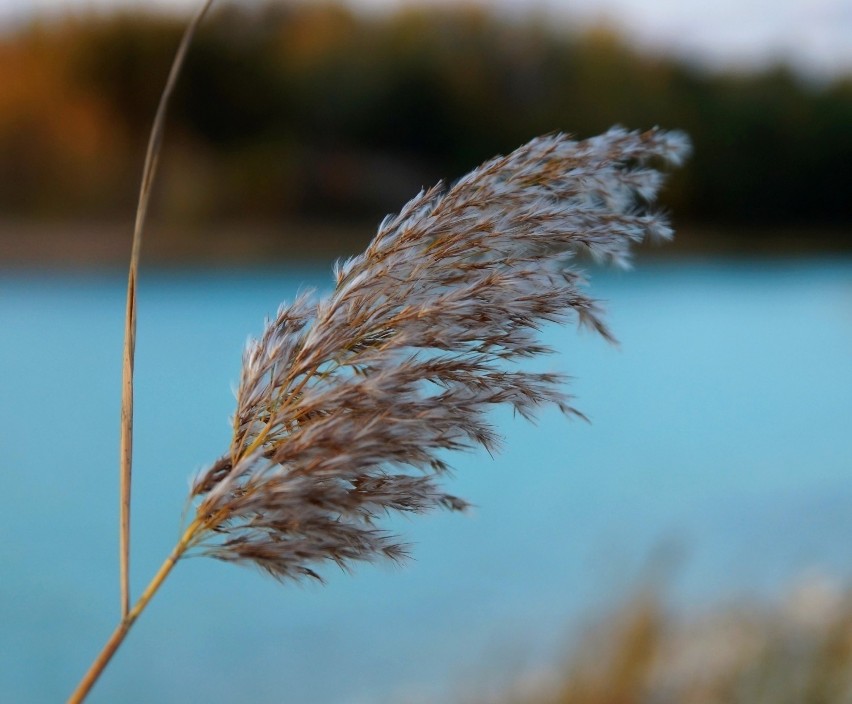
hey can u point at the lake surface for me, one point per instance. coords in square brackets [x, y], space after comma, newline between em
[721, 439]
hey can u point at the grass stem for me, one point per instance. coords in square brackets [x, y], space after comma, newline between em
[148, 172]
[127, 621]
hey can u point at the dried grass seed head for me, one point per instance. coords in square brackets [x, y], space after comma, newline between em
[347, 404]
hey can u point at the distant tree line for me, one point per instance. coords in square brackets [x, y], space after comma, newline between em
[296, 110]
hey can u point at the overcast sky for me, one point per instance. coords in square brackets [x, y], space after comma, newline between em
[815, 35]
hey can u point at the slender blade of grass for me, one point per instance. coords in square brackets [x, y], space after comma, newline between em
[148, 173]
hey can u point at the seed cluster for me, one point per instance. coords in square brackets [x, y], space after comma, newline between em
[347, 405]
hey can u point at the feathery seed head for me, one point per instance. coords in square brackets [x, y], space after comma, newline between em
[346, 404]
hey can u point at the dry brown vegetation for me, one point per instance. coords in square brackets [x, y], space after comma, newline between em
[798, 651]
[348, 404]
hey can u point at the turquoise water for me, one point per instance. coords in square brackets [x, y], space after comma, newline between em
[721, 438]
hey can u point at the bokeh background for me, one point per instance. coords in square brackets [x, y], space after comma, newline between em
[719, 463]
[325, 116]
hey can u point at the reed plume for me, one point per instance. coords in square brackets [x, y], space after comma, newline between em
[347, 404]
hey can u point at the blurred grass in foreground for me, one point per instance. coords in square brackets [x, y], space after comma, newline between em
[798, 651]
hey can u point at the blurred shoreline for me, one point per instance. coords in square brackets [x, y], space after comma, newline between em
[289, 117]
[105, 245]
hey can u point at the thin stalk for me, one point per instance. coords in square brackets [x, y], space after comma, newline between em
[148, 172]
[129, 619]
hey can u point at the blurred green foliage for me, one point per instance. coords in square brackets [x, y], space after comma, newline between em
[315, 111]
